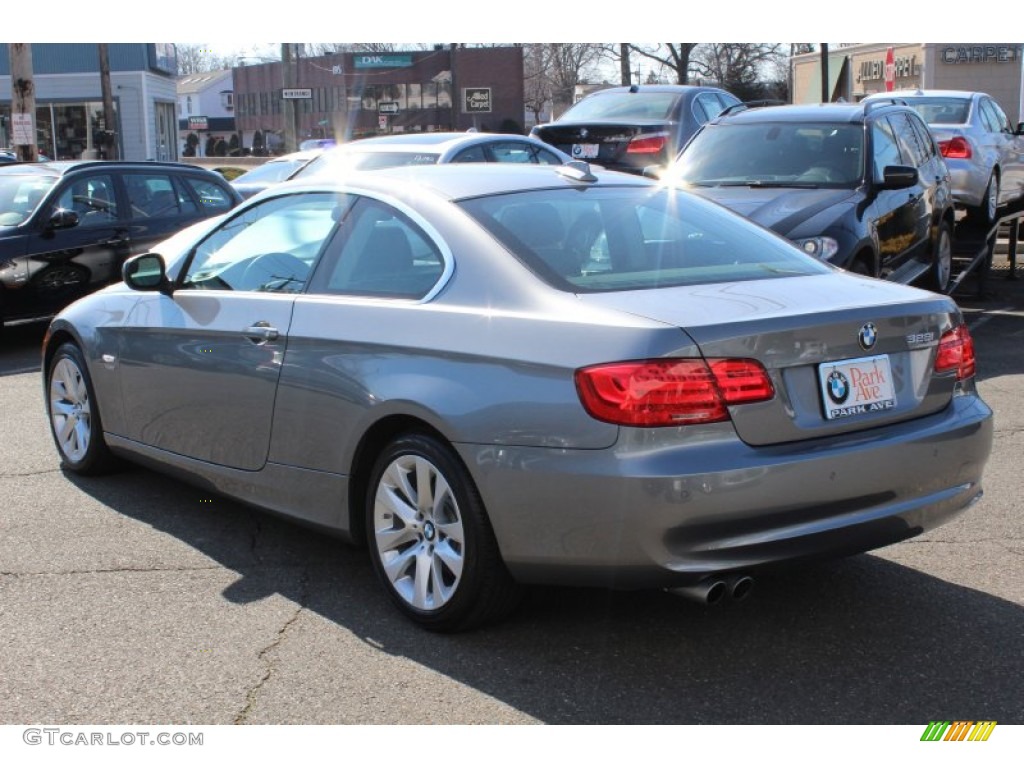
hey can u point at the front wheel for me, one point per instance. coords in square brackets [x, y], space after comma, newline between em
[430, 540]
[986, 213]
[74, 418]
[942, 260]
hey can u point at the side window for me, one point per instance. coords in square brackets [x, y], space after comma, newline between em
[383, 253]
[547, 158]
[92, 198]
[471, 155]
[924, 137]
[212, 197]
[884, 149]
[153, 195]
[911, 150]
[269, 247]
[706, 106]
[993, 115]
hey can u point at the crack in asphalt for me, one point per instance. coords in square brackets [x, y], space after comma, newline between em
[30, 474]
[253, 693]
[129, 569]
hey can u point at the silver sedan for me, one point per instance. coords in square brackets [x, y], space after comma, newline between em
[496, 376]
[984, 153]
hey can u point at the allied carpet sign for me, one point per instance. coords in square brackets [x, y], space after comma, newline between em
[476, 99]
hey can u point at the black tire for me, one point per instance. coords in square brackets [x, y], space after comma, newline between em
[941, 271]
[73, 414]
[417, 542]
[987, 213]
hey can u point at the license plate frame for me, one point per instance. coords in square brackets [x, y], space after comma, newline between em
[585, 151]
[856, 386]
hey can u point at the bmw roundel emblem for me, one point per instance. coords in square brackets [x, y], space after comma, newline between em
[838, 387]
[868, 335]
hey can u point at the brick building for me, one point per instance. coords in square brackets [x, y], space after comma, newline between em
[350, 95]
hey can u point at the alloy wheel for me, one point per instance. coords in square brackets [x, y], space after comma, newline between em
[70, 409]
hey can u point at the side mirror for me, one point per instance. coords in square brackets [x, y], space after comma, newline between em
[146, 273]
[899, 177]
[62, 218]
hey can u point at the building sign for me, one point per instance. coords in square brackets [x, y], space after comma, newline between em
[901, 66]
[372, 61]
[296, 93]
[981, 54]
[198, 123]
[476, 99]
[164, 56]
[387, 108]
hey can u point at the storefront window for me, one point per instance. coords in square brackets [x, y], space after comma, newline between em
[63, 131]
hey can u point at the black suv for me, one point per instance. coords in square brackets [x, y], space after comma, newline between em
[862, 186]
[67, 227]
[630, 127]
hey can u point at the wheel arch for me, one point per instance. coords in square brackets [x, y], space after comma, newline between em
[378, 435]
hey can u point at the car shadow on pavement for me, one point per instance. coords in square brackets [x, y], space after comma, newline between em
[861, 640]
[20, 348]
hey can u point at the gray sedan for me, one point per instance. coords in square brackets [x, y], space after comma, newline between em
[496, 376]
[984, 153]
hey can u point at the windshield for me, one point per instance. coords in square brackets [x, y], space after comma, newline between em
[945, 110]
[604, 239]
[20, 195]
[272, 171]
[620, 106]
[774, 154]
[335, 162]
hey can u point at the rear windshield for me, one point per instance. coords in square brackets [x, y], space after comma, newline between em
[622, 239]
[622, 106]
[774, 154]
[941, 110]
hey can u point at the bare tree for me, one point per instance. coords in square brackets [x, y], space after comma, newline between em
[741, 68]
[199, 57]
[675, 56]
[557, 68]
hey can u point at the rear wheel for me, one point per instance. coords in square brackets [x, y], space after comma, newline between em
[430, 540]
[74, 418]
[986, 213]
[942, 260]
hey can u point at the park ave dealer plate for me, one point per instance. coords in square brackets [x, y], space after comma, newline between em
[585, 151]
[852, 387]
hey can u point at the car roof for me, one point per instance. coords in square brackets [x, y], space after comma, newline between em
[441, 140]
[458, 181]
[62, 167]
[918, 92]
[801, 113]
[667, 88]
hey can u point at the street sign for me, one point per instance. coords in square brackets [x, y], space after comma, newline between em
[387, 108]
[296, 93]
[198, 123]
[22, 128]
[890, 70]
[382, 121]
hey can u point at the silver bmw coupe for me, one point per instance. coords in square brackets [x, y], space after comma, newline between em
[495, 376]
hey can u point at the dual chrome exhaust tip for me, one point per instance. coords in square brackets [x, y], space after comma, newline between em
[712, 590]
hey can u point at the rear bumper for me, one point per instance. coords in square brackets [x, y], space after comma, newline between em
[968, 182]
[642, 514]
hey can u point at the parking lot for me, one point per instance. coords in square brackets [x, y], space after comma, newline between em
[136, 599]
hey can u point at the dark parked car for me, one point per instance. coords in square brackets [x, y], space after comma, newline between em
[498, 375]
[862, 186]
[629, 128]
[67, 227]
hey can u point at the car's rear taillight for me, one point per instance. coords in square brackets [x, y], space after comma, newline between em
[648, 144]
[956, 353]
[672, 391]
[957, 148]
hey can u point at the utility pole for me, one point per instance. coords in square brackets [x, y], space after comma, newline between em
[289, 108]
[109, 136]
[23, 103]
[624, 63]
[825, 95]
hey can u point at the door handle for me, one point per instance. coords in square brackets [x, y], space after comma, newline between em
[261, 332]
